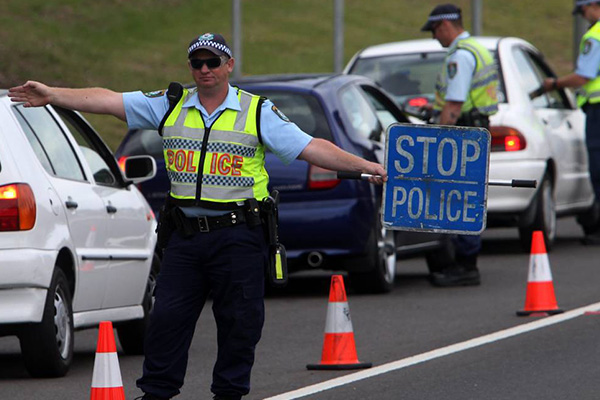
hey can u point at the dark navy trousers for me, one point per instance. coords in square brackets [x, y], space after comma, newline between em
[592, 141]
[228, 263]
[467, 245]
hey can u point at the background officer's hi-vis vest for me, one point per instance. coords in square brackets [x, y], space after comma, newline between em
[484, 83]
[590, 92]
[230, 153]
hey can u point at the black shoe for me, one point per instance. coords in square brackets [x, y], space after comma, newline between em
[591, 239]
[217, 397]
[147, 396]
[456, 276]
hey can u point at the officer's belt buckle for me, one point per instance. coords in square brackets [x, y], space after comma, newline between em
[203, 224]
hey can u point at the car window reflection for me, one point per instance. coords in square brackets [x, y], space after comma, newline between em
[61, 160]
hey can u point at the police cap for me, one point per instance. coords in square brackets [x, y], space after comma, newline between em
[580, 3]
[442, 12]
[212, 42]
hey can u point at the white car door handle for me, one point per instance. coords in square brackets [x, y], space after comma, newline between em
[71, 204]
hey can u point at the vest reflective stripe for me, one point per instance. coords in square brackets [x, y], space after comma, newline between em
[590, 92]
[233, 167]
[191, 134]
[241, 188]
[484, 83]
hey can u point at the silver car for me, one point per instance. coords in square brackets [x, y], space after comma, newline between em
[540, 138]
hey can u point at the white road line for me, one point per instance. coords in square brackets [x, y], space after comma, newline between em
[433, 354]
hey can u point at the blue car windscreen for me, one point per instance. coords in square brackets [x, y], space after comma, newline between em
[303, 110]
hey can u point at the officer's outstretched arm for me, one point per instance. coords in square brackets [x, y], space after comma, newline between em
[92, 100]
[571, 80]
[325, 154]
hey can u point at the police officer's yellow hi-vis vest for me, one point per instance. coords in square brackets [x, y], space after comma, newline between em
[230, 153]
[590, 92]
[484, 83]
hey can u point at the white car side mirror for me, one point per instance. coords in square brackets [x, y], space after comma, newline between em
[139, 168]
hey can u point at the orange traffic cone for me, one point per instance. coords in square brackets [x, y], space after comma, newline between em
[339, 350]
[540, 298]
[106, 381]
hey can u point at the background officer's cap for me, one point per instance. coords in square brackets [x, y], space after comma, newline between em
[443, 11]
[212, 42]
[580, 3]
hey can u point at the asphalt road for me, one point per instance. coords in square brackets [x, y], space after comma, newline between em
[445, 331]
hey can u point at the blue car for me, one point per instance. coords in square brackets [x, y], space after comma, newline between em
[325, 222]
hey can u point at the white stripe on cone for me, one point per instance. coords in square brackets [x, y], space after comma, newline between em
[338, 318]
[107, 373]
[539, 268]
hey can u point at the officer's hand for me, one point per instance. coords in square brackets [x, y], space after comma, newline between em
[33, 94]
[549, 84]
[376, 169]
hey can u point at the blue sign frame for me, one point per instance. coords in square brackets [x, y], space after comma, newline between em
[437, 178]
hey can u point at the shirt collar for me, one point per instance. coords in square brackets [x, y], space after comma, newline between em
[460, 37]
[231, 102]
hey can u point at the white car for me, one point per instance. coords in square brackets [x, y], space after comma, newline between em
[77, 241]
[540, 139]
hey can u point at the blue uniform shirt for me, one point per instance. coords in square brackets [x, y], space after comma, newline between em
[459, 84]
[283, 138]
[588, 61]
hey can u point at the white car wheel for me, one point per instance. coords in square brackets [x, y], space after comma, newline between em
[47, 347]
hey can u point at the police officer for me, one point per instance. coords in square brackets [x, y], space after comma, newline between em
[465, 96]
[587, 77]
[214, 141]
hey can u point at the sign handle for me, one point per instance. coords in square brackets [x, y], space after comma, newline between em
[355, 175]
[518, 183]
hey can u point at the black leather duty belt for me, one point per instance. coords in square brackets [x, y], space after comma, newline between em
[208, 223]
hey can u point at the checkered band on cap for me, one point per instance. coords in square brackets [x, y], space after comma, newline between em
[209, 43]
[585, 2]
[440, 17]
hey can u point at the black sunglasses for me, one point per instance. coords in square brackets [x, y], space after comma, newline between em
[211, 63]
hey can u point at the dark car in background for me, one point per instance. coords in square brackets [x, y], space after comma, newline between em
[325, 222]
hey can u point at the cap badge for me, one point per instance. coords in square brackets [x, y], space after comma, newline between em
[206, 36]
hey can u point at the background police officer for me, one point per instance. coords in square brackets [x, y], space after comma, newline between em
[465, 96]
[217, 248]
[586, 77]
